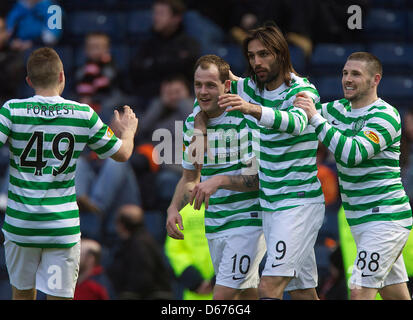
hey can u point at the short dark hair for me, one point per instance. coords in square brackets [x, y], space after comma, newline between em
[273, 39]
[43, 67]
[374, 65]
[223, 67]
[177, 6]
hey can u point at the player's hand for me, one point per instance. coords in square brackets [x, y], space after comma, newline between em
[173, 219]
[235, 102]
[304, 102]
[203, 191]
[124, 121]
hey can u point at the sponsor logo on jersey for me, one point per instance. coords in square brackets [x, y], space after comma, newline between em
[372, 136]
[109, 133]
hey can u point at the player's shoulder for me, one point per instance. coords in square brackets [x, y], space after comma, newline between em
[298, 81]
[384, 110]
[339, 104]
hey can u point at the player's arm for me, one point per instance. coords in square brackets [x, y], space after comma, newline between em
[5, 124]
[379, 132]
[203, 191]
[292, 120]
[179, 200]
[124, 125]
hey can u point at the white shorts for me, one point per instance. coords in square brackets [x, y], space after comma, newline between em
[53, 271]
[236, 259]
[379, 260]
[290, 236]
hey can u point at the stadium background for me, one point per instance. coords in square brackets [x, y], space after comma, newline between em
[387, 32]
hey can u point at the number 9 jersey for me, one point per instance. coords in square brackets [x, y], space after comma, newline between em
[46, 137]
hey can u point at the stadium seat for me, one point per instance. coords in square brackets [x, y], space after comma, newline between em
[396, 58]
[387, 4]
[298, 59]
[203, 29]
[385, 25]
[328, 87]
[328, 58]
[84, 22]
[232, 53]
[409, 26]
[139, 23]
[396, 88]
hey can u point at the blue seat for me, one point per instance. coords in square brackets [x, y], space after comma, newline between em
[328, 87]
[204, 30]
[387, 4]
[384, 24]
[298, 59]
[409, 28]
[84, 22]
[329, 58]
[396, 88]
[232, 53]
[396, 58]
[139, 22]
[66, 55]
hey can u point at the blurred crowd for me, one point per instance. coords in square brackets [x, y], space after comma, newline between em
[123, 205]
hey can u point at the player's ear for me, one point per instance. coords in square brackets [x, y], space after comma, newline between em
[227, 85]
[29, 82]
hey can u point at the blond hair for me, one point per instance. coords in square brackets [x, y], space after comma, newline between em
[43, 68]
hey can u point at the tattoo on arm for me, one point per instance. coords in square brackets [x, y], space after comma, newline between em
[251, 182]
[184, 201]
[243, 183]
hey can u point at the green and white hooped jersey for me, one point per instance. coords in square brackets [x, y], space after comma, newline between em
[229, 212]
[46, 136]
[283, 143]
[366, 145]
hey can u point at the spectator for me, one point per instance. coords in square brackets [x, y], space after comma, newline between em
[12, 66]
[27, 23]
[96, 79]
[100, 186]
[173, 104]
[138, 270]
[92, 284]
[168, 51]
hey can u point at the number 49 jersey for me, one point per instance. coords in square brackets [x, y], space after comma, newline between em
[46, 136]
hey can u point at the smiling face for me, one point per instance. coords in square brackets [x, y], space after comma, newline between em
[358, 82]
[208, 87]
[264, 63]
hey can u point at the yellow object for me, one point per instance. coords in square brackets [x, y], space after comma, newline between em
[192, 251]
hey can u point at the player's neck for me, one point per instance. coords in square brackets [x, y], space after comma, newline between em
[364, 102]
[274, 84]
[47, 92]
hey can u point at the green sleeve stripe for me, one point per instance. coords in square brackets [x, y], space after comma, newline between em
[380, 129]
[388, 118]
[93, 120]
[301, 89]
[109, 145]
